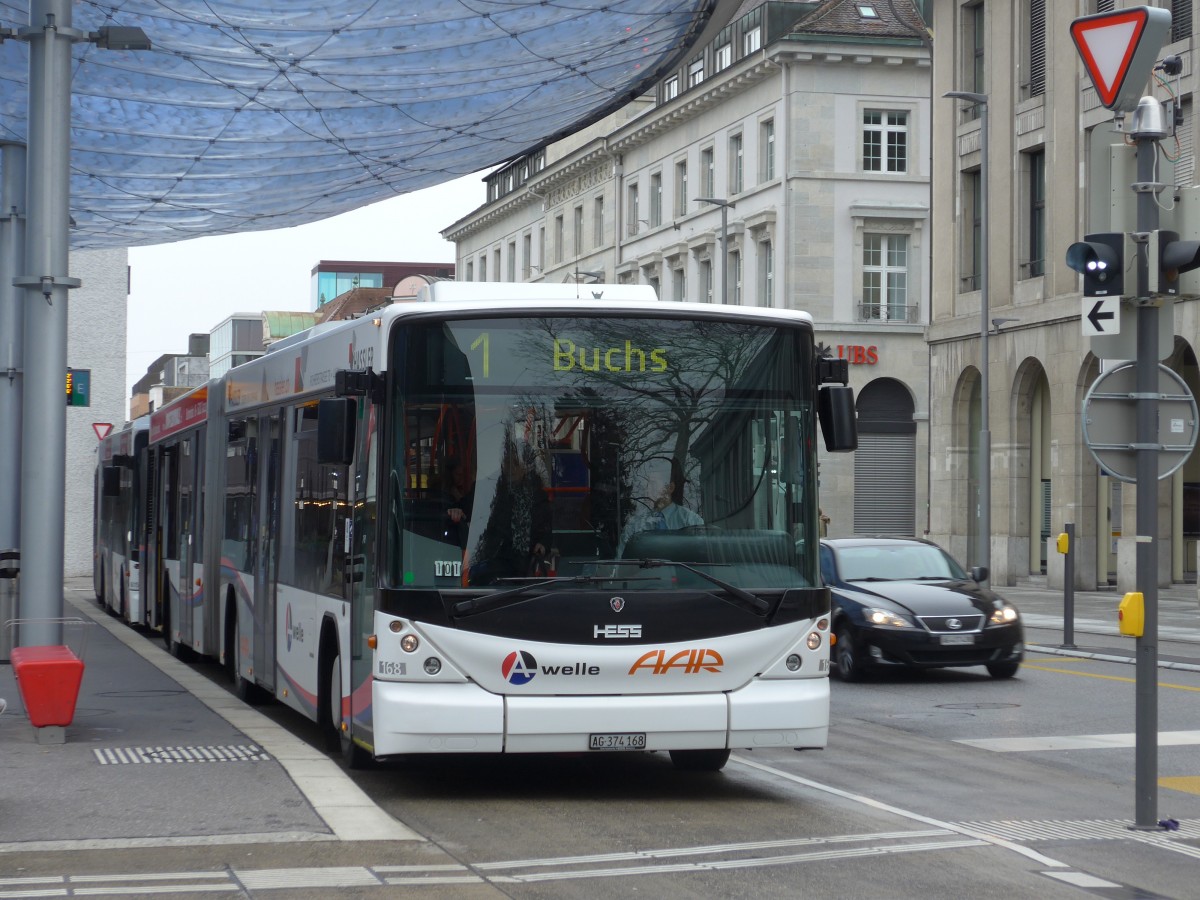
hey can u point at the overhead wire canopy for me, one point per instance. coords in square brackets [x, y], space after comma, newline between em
[255, 114]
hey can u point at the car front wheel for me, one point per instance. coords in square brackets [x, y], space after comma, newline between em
[845, 657]
[1003, 669]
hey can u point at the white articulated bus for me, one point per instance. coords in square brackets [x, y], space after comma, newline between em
[515, 518]
[121, 520]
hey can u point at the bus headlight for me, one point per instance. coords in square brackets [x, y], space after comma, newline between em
[814, 640]
[432, 666]
[409, 643]
[793, 662]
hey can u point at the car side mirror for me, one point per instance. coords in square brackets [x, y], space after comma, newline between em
[979, 574]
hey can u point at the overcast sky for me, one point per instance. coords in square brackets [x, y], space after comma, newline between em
[190, 286]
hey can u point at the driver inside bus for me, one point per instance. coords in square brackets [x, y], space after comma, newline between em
[663, 508]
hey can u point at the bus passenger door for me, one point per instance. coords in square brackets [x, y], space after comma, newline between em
[181, 621]
[360, 567]
[266, 569]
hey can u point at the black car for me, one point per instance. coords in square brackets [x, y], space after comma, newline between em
[906, 602]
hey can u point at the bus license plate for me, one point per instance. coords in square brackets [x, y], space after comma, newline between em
[957, 639]
[630, 741]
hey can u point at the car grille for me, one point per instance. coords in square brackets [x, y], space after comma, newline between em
[940, 624]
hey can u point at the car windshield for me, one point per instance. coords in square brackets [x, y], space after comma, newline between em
[896, 562]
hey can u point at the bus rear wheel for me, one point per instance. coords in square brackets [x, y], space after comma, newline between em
[699, 760]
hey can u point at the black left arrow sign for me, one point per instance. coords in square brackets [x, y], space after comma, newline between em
[1098, 314]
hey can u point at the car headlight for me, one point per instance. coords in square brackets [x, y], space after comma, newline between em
[885, 617]
[1003, 615]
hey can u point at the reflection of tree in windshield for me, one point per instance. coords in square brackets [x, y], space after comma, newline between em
[689, 368]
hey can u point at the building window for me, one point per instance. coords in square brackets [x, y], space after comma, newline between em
[483, 267]
[766, 274]
[707, 173]
[633, 210]
[737, 182]
[722, 57]
[656, 199]
[470, 270]
[973, 47]
[1181, 20]
[1034, 82]
[695, 72]
[885, 277]
[706, 281]
[527, 255]
[972, 235]
[751, 40]
[766, 150]
[598, 222]
[679, 285]
[681, 188]
[671, 88]
[560, 239]
[512, 261]
[496, 264]
[1037, 213]
[734, 261]
[541, 263]
[578, 231]
[885, 140]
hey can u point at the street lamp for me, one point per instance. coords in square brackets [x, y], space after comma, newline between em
[725, 205]
[984, 553]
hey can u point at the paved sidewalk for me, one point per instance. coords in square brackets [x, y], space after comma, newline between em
[160, 754]
[1095, 630]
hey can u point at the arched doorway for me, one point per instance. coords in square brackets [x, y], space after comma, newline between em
[885, 464]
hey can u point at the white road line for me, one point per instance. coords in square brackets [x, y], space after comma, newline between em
[348, 811]
[757, 862]
[1079, 742]
[200, 840]
[1041, 859]
[709, 849]
[1081, 880]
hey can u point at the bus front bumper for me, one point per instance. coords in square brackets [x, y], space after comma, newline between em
[463, 718]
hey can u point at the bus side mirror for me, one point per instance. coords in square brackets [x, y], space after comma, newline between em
[835, 409]
[335, 431]
[110, 481]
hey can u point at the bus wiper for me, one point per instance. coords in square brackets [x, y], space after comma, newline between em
[489, 602]
[738, 597]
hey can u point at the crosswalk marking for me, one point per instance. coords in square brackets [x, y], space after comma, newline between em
[1078, 742]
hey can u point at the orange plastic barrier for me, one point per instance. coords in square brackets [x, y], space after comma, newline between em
[49, 679]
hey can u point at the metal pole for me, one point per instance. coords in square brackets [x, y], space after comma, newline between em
[724, 254]
[1069, 590]
[1146, 724]
[985, 434]
[12, 325]
[43, 447]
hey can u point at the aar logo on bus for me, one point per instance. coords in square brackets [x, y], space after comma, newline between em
[518, 667]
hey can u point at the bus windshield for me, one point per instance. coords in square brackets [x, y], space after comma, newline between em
[534, 448]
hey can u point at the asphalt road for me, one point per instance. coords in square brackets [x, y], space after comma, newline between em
[945, 784]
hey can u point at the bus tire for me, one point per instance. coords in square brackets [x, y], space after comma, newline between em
[337, 739]
[699, 760]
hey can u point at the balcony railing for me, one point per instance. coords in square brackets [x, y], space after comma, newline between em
[888, 312]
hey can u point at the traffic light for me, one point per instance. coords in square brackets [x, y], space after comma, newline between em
[1098, 258]
[1169, 258]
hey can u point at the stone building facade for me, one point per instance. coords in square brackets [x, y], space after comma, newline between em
[808, 124]
[1058, 168]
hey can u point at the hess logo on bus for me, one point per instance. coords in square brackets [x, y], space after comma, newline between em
[685, 662]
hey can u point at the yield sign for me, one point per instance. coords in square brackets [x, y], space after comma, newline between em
[1119, 50]
[102, 429]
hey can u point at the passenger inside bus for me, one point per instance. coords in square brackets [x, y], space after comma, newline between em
[662, 508]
